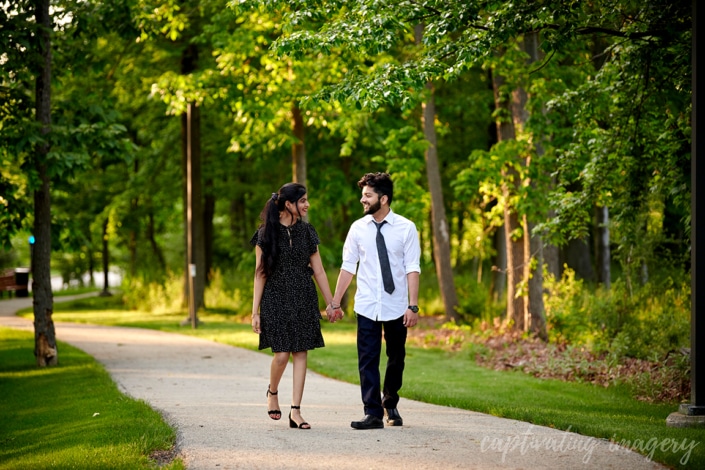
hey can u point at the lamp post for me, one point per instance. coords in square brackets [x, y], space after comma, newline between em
[693, 414]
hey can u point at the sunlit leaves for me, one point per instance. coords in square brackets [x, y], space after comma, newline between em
[161, 17]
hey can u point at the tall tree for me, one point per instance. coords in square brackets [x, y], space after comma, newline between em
[178, 29]
[298, 148]
[533, 250]
[439, 222]
[641, 43]
[45, 348]
[515, 230]
[332, 24]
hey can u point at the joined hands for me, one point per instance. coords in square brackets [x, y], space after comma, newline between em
[334, 313]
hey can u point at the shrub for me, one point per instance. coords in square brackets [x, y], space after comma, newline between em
[648, 324]
[475, 304]
[224, 293]
[154, 296]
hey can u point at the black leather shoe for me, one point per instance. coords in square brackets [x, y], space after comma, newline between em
[393, 418]
[369, 422]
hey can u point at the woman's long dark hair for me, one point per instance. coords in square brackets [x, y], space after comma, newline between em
[269, 228]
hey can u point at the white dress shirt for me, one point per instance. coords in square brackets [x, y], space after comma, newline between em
[360, 250]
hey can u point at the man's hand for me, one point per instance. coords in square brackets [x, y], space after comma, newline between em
[334, 313]
[410, 318]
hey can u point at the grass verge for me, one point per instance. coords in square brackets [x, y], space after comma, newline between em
[453, 379]
[71, 415]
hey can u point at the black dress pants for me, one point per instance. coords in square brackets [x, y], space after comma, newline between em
[369, 348]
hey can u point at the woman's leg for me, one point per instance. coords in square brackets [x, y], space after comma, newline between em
[300, 365]
[276, 370]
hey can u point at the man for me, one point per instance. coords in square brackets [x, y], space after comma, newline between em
[386, 247]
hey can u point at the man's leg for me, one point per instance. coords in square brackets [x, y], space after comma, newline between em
[395, 339]
[369, 347]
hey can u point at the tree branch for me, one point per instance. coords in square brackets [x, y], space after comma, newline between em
[622, 34]
[545, 63]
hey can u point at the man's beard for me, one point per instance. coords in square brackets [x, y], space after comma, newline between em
[373, 208]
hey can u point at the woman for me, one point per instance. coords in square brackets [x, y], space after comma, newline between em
[285, 304]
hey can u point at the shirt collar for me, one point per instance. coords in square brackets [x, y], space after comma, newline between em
[391, 216]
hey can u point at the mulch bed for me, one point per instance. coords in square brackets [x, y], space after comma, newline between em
[651, 381]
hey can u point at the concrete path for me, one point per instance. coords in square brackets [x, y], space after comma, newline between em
[215, 397]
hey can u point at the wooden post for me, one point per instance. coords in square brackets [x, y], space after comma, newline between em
[190, 219]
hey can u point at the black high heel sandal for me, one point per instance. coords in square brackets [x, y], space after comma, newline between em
[276, 415]
[294, 424]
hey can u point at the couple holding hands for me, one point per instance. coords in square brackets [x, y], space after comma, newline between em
[382, 248]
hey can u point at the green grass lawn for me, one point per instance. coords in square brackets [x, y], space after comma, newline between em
[452, 379]
[71, 415]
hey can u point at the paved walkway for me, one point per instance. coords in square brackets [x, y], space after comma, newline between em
[215, 397]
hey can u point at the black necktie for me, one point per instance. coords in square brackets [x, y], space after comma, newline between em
[384, 260]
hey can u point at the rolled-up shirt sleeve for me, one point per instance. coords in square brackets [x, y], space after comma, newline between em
[412, 251]
[351, 256]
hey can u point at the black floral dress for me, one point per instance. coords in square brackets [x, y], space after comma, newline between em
[289, 314]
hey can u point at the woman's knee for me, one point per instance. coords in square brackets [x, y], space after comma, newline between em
[299, 356]
[281, 359]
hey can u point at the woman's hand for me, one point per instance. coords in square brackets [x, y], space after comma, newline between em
[255, 323]
[334, 313]
[330, 313]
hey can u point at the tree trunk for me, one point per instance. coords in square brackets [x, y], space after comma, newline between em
[576, 255]
[298, 151]
[91, 267]
[441, 232]
[208, 214]
[521, 248]
[153, 242]
[551, 256]
[602, 248]
[132, 247]
[237, 228]
[536, 305]
[106, 259]
[132, 241]
[499, 269]
[515, 258]
[514, 248]
[45, 349]
[525, 313]
[460, 231]
[534, 314]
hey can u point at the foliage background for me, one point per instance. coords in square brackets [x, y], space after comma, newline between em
[608, 126]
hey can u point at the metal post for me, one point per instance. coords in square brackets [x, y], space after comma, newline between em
[697, 308]
[693, 414]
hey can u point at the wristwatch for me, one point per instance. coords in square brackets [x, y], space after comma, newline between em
[413, 308]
